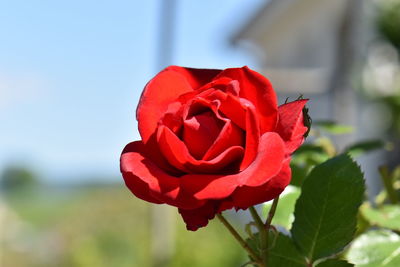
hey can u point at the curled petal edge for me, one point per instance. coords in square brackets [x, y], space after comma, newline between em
[147, 181]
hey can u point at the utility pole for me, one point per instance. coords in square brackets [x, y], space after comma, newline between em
[163, 216]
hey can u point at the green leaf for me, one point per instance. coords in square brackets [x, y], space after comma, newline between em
[334, 263]
[333, 128]
[375, 248]
[282, 252]
[387, 216]
[363, 147]
[306, 157]
[285, 253]
[299, 173]
[284, 212]
[326, 211]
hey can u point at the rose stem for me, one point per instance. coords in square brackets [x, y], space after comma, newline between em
[271, 214]
[262, 233]
[240, 239]
[388, 184]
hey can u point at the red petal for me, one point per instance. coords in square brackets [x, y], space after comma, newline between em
[266, 165]
[247, 196]
[225, 204]
[217, 84]
[233, 108]
[199, 217]
[196, 77]
[204, 187]
[230, 135]
[243, 114]
[173, 116]
[177, 154]
[258, 90]
[252, 138]
[139, 188]
[291, 125]
[200, 132]
[153, 152]
[149, 182]
[165, 88]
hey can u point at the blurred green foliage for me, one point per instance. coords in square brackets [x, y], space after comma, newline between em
[387, 25]
[388, 21]
[99, 226]
[17, 177]
[392, 102]
[376, 248]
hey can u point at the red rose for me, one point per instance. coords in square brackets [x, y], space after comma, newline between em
[211, 140]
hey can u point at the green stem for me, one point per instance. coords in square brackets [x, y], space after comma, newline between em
[257, 219]
[262, 234]
[388, 184]
[240, 240]
[271, 214]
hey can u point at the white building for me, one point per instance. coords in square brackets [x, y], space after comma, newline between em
[315, 48]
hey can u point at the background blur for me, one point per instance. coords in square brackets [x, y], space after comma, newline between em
[71, 73]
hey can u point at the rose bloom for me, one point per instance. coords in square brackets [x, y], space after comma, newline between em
[212, 140]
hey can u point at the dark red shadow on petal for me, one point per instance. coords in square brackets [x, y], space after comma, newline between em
[139, 188]
[153, 152]
[230, 135]
[196, 77]
[199, 217]
[252, 138]
[241, 113]
[173, 117]
[291, 124]
[200, 132]
[196, 218]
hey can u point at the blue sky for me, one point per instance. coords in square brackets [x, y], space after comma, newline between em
[71, 73]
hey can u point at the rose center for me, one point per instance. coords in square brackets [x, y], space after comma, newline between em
[200, 132]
